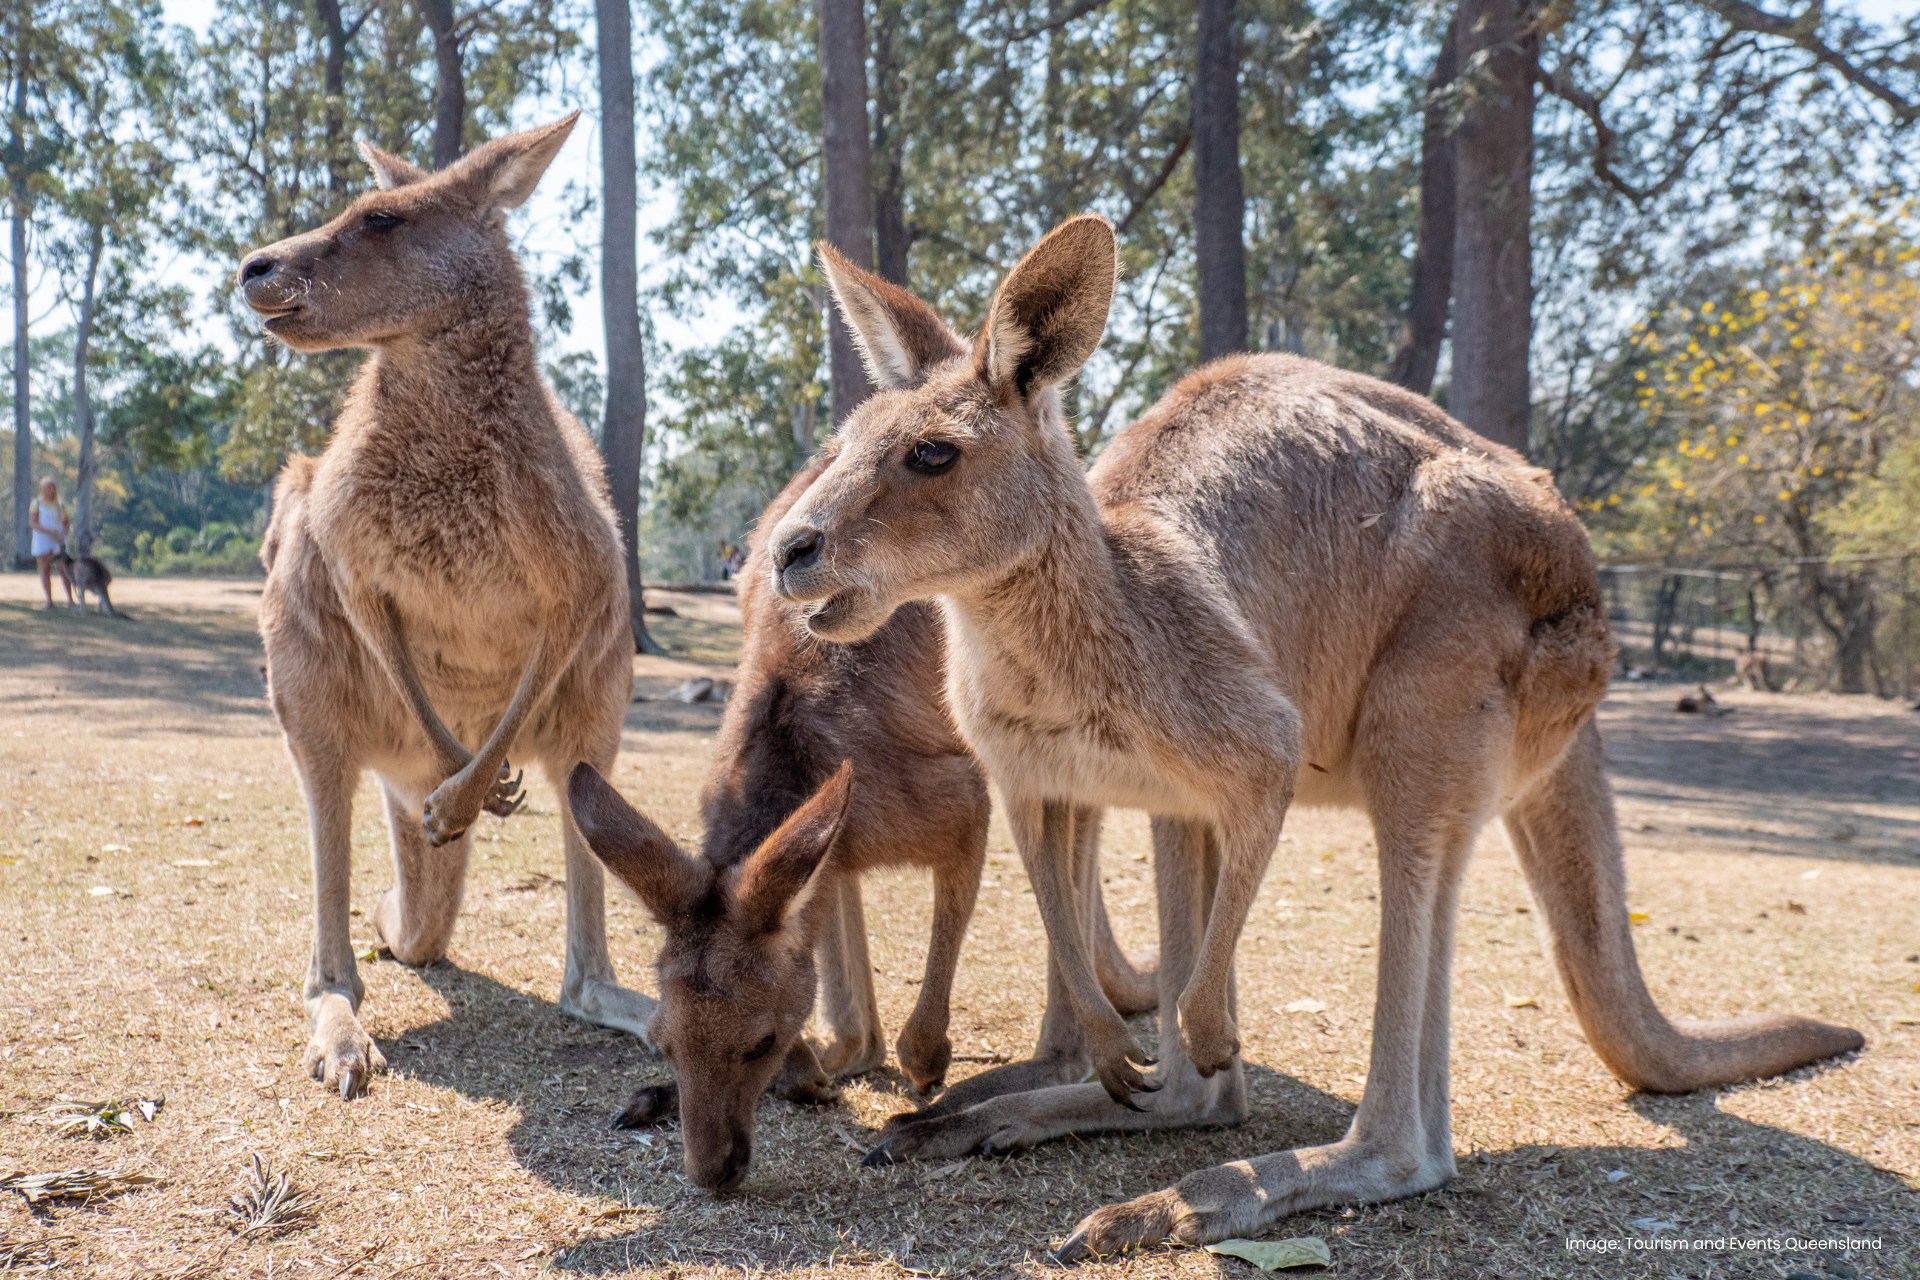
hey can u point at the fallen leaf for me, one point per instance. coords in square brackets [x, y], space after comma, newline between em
[102, 891]
[1905, 1022]
[9, 862]
[1367, 522]
[1796, 908]
[193, 862]
[1655, 1224]
[1278, 1255]
[622, 1210]
[74, 1184]
[945, 1171]
[114, 848]
[1616, 1175]
[1522, 1002]
[193, 820]
[1638, 917]
[1308, 1005]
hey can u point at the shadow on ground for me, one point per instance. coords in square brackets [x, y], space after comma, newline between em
[809, 1204]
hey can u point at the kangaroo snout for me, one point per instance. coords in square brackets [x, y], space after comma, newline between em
[800, 549]
[259, 266]
[725, 1173]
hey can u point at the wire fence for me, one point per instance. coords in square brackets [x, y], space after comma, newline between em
[1850, 624]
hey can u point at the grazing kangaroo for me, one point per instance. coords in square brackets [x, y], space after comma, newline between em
[737, 978]
[446, 573]
[1280, 565]
[90, 573]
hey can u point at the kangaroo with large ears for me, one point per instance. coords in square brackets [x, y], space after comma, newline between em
[444, 582]
[1282, 582]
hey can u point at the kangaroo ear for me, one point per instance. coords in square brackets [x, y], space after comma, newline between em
[1049, 313]
[638, 853]
[504, 172]
[389, 170]
[779, 879]
[899, 336]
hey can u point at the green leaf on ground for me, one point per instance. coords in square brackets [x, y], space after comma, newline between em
[1278, 1255]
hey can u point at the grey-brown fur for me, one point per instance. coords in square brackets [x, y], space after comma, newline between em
[443, 581]
[1284, 582]
[90, 574]
[803, 710]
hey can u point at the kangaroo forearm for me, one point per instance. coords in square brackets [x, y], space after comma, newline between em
[553, 651]
[381, 626]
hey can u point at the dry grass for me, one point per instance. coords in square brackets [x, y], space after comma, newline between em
[1775, 852]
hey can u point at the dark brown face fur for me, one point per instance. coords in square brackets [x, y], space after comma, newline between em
[405, 258]
[736, 970]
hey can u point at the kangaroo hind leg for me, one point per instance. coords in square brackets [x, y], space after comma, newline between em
[1564, 835]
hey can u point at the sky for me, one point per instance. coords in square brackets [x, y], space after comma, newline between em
[544, 221]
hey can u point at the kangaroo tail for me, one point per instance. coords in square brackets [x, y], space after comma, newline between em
[1569, 847]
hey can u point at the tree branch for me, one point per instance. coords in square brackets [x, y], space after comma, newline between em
[1061, 19]
[1141, 201]
[1803, 31]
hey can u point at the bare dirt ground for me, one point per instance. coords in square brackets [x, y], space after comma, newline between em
[154, 911]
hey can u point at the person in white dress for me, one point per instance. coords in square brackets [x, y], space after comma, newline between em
[50, 526]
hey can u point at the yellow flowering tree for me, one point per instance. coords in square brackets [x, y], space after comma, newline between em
[1787, 410]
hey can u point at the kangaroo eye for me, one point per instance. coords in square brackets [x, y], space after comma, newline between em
[931, 457]
[381, 220]
[760, 1050]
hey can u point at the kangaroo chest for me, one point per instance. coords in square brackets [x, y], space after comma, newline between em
[1040, 740]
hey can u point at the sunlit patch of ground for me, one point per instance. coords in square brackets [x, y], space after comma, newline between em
[154, 915]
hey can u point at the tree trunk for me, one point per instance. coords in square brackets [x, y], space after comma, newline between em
[1219, 209]
[83, 399]
[890, 238]
[450, 87]
[1492, 249]
[623, 431]
[1432, 286]
[848, 194]
[334, 81]
[22, 392]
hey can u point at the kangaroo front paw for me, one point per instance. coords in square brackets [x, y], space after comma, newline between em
[1211, 1039]
[344, 1057]
[925, 1059]
[1114, 1054]
[505, 797]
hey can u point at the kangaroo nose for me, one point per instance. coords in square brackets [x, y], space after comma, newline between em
[801, 549]
[256, 267]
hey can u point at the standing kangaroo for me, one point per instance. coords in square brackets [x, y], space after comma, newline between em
[447, 572]
[1280, 565]
[744, 945]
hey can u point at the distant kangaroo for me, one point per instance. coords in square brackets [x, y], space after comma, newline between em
[1282, 578]
[90, 573]
[443, 582]
[737, 983]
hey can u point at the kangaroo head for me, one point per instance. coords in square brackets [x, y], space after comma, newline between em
[736, 969]
[941, 479]
[417, 250]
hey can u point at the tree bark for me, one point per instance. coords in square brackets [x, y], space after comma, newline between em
[450, 86]
[1219, 206]
[623, 429]
[82, 396]
[22, 385]
[847, 164]
[891, 240]
[334, 81]
[1492, 247]
[1432, 285]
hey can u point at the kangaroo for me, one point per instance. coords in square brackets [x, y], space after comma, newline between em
[90, 573]
[803, 712]
[447, 572]
[1284, 580]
